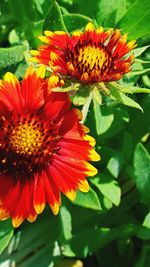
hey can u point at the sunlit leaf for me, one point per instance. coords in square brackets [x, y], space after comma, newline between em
[88, 200]
[109, 188]
[103, 118]
[115, 164]
[110, 12]
[136, 20]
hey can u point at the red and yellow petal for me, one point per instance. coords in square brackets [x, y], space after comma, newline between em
[39, 199]
[10, 86]
[32, 88]
[52, 192]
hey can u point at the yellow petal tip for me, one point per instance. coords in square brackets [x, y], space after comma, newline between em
[89, 27]
[71, 195]
[91, 170]
[94, 156]
[91, 140]
[84, 186]
[16, 221]
[55, 208]
[32, 218]
[39, 207]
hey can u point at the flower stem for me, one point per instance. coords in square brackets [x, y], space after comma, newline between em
[85, 108]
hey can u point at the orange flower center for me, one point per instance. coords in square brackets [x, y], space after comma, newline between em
[26, 144]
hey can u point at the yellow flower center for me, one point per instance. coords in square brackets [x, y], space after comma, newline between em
[92, 57]
[26, 138]
[27, 144]
[88, 62]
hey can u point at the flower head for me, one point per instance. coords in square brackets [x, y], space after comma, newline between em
[91, 56]
[44, 150]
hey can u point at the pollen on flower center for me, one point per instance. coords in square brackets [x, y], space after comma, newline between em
[26, 137]
[92, 57]
[88, 61]
[26, 144]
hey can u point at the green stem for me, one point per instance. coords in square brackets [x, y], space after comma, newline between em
[85, 108]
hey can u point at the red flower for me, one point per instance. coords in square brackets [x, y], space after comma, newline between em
[43, 148]
[90, 56]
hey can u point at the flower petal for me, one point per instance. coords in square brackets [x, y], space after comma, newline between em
[10, 86]
[32, 88]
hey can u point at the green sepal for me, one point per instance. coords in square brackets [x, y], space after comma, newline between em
[65, 89]
[139, 51]
[138, 72]
[79, 99]
[128, 89]
[82, 95]
[97, 96]
[140, 61]
[122, 98]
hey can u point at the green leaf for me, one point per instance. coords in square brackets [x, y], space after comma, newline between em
[146, 222]
[66, 223]
[75, 21]
[108, 187]
[139, 122]
[110, 12]
[103, 117]
[86, 242]
[128, 146]
[97, 96]
[142, 172]
[121, 118]
[87, 200]
[6, 233]
[22, 10]
[54, 19]
[115, 164]
[143, 233]
[138, 72]
[143, 260]
[11, 56]
[129, 89]
[85, 7]
[140, 61]
[38, 5]
[136, 19]
[35, 244]
[124, 99]
[81, 96]
[146, 80]
[90, 240]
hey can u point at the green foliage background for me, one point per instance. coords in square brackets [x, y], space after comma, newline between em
[110, 225]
